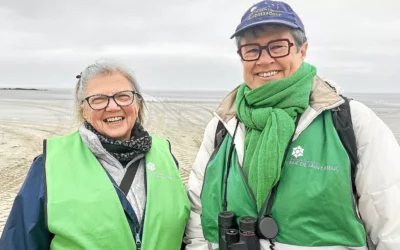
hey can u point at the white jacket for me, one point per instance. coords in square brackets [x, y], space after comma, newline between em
[377, 179]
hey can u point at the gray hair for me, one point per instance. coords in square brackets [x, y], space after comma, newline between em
[298, 35]
[104, 67]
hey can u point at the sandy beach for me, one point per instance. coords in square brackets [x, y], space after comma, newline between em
[24, 123]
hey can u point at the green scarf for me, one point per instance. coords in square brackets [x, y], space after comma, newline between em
[269, 113]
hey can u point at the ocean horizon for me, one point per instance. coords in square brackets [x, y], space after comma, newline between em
[369, 99]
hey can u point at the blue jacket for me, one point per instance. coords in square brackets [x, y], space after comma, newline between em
[26, 227]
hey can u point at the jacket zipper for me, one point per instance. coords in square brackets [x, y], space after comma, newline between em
[138, 241]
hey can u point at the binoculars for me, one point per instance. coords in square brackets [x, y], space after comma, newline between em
[232, 237]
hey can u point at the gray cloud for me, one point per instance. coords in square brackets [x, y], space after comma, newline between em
[185, 44]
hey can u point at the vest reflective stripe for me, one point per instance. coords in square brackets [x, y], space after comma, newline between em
[313, 205]
[83, 208]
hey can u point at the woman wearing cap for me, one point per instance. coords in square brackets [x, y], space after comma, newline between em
[109, 185]
[282, 161]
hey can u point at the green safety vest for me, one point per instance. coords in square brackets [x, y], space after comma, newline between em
[83, 209]
[313, 205]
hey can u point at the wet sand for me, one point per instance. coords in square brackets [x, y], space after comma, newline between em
[24, 123]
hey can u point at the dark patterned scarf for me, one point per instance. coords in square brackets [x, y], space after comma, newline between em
[124, 151]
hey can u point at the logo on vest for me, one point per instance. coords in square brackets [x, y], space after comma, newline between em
[298, 151]
[150, 166]
[157, 174]
[296, 161]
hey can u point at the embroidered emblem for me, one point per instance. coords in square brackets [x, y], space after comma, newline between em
[298, 151]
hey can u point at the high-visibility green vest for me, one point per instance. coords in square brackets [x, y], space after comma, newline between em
[313, 205]
[83, 209]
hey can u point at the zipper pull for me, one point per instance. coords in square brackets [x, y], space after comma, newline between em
[138, 242]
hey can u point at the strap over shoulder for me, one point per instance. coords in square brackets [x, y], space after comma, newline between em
[344, 127]
[219, 134]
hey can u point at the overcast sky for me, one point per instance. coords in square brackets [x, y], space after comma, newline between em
[184, 44]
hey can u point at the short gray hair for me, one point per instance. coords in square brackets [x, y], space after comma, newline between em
[298, 35]
[104, 67]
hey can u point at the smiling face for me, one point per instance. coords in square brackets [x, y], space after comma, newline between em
[114, 121]
[266, 68]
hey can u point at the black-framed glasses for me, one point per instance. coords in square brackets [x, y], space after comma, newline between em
[275, 49]
[122, 99]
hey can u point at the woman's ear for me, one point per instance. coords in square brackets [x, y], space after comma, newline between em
[303, 50]
[137, 107]
[137, 104]
[85, 113]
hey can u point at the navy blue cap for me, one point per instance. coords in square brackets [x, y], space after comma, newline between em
[269, 12]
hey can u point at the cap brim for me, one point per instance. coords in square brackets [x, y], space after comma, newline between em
[264, 22]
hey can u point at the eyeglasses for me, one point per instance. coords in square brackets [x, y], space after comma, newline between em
[275, 49]
[122, 99]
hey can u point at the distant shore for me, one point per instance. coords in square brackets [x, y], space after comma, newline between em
[23, 89]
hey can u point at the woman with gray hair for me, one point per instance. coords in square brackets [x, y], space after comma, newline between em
[109, 185]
